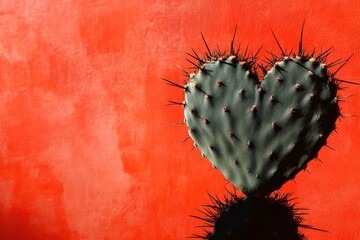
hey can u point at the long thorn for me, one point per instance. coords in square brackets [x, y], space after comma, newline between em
[277, 41]
[337, 70]
[196, 58]
[300, 51]
[334, 63]
[186, 139]
[173, 84]
[207, 47]
[195, 65]
[326, 51]
[247, 47]
[311, 227]
[232, 42]
[300, 64]
[257, 52]
[172, 103]
[185, 72]
[178, 123]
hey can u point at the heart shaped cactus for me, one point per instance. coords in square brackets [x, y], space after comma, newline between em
[260, 134]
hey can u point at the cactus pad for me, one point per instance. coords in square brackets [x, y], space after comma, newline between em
[260, 134]
[271, 218]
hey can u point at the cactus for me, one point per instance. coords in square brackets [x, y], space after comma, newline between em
[271, 217]
[260, 134]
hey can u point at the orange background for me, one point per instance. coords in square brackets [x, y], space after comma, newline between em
[86, 151]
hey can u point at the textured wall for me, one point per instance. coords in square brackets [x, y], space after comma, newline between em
[86, 151]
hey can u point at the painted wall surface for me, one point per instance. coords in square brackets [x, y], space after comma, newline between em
[86, 150]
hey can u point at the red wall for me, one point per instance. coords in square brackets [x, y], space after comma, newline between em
[86, 151]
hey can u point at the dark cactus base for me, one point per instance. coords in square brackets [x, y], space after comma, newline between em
[252, 218]
[268, 218]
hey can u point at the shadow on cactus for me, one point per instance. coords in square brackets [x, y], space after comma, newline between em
[260, 125]
[271, 218]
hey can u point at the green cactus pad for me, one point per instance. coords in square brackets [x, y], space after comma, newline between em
[260, 134]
